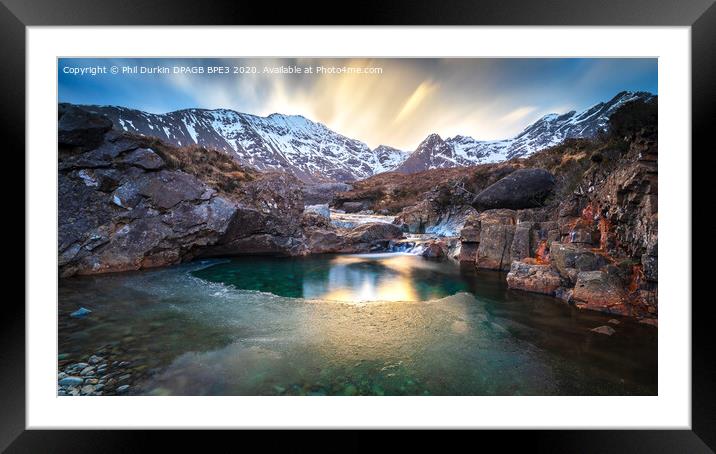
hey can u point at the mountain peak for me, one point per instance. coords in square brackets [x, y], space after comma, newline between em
[548, 131]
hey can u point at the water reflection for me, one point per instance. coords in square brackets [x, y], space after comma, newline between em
[194, 329]
[347, 278]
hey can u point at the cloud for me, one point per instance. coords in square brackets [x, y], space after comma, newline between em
[411, 98]
[419, 95]
[518, 114]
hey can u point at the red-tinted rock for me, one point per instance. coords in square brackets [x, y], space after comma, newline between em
[533, 278]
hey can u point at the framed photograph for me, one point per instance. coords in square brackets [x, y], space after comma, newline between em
[243, 218]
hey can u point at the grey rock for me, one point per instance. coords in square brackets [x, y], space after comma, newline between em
[321, 210]
[80, 128]
[607, 330]
[145, 158]
[71, 381]
[523, 188]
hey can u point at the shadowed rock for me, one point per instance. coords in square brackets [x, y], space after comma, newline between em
[523, 188]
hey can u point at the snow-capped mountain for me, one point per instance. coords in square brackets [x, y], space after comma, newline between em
[315, 153]
[305, 148]
[388, 158]
[550, 130]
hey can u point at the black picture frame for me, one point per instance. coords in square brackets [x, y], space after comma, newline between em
[700, 15]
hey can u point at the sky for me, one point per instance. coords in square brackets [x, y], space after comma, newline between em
[396, 102]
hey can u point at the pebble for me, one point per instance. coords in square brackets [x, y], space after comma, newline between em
[61, 375]
[87, 370]
[81, 312]
[614, 321]
[608, 330]
[122, 388]
[124, 377]
[94, 359]
[88, 389]
[70, 381]
[91, 381]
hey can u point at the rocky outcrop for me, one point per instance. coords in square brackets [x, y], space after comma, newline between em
[524, 188]
[532, 277]
[601, 291]
[128, 202]
[377, 231]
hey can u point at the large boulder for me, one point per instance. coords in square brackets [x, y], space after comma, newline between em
[417, 218]
[533, 278]
[523, 188]
[373, 232]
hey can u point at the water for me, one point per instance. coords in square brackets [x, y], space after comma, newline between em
[382, 324]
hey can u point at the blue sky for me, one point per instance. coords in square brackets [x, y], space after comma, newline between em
[398, 106]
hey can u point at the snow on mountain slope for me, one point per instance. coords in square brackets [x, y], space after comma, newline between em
[388, 158]
[315, 153]
[307, 149]
[550, 130]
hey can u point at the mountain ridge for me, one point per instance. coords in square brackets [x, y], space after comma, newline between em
[315, 153]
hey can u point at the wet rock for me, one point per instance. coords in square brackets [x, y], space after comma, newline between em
[572, 256]
[71, 381]
[417, 218]
[522, 241]
[470, 232]
[372, 232]
[494, 250]
[533, 278]
[597, 290]
[565, 294]
[81, 312]
[94, 359]
[606, 330]
[468, 252]
[523, 188]
[88, 389]
[435, 249]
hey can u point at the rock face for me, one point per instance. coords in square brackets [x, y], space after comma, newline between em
[594, 243]
[127, 202]
[524, 188]
[533, 278]
[493, 253]
[597, 290]
[566, 257]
